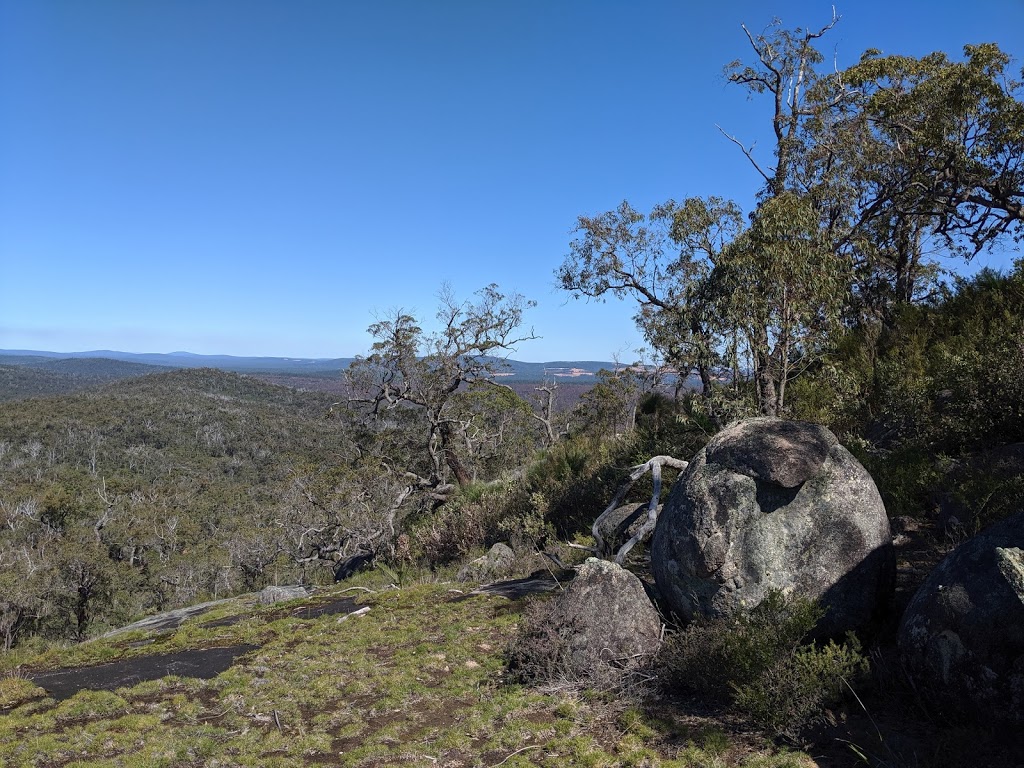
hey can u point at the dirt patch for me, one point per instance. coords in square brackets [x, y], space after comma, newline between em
[204, 664]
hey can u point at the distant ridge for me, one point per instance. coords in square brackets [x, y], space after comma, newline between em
[581, 371]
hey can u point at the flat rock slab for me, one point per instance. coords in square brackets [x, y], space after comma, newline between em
[513, 589]
[306, 611]
[203, 664]
[168, 620]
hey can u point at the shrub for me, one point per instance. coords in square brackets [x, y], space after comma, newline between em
[758, 663]
[536, 654]
[792, 693]
[542, 653]
[454, 530]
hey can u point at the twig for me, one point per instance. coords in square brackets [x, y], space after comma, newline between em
[360, 612]
[277, 720]
[364, 589]
[557, 561]
[521, 749]
[581, 546]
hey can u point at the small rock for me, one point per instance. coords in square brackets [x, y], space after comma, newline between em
[498, 562]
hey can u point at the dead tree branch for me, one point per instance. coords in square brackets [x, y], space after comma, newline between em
[652, 465]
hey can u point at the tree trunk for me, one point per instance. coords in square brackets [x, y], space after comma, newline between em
[462, 475]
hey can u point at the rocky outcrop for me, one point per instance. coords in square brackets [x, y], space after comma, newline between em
[773, 504]
[962, 635]
[497, 563]
[273, 594]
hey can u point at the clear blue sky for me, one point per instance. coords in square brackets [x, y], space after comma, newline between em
[258, 178]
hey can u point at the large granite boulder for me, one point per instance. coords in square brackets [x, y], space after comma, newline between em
[773, 504]
[962, 635]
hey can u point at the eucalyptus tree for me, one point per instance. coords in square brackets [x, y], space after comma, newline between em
[663, 261]
[921, 155]
[416, 377]
[783, 288]
[786, 70]
[955, 131]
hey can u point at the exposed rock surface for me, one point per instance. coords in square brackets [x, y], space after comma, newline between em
[611, 620]
[774, 504]
[498, 562]
[962, 636]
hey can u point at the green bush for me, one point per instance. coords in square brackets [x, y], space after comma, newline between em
[792, 693]
[759, 663]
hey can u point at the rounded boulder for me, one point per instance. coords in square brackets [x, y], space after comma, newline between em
[962, 635]
[771, 504]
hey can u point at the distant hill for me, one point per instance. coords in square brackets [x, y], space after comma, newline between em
[41, 376]
[189, 360]
[580, 371]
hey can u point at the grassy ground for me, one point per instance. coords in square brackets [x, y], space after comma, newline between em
[415, 681]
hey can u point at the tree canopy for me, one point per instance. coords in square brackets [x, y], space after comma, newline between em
[876, 169]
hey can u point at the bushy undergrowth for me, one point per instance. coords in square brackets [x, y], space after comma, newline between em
[542, 654]
[759, 663]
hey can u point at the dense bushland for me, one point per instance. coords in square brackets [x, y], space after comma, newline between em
[933, 400]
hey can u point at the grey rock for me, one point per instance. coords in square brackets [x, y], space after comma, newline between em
[962, 635]
[622, 523]
[784, 453]
[498, 562]
[613, 623]
[770, 504]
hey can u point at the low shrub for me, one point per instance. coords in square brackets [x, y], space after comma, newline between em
[759, 663]
[542, 654]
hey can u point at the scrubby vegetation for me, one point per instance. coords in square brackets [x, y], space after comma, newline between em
[170, 489]
[175, 488]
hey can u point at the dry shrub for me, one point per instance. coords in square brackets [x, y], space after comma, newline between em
[542, 654]
[454, 530]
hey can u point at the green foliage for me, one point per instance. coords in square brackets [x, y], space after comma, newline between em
[793, 692]
[428, 390]
[571, 482]
[165, 490]
[758, 662]
[469, 521]
[928, 400]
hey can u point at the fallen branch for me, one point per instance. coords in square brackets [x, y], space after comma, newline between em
[360, 612]
[521, 749]
[652, 465]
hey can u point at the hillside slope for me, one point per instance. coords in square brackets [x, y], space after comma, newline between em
[153, 492]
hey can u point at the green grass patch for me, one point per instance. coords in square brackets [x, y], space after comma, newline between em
[418, 680]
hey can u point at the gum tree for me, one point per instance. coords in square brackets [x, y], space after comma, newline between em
[415, 378]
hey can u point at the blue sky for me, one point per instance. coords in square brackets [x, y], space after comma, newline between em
[260, 178]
